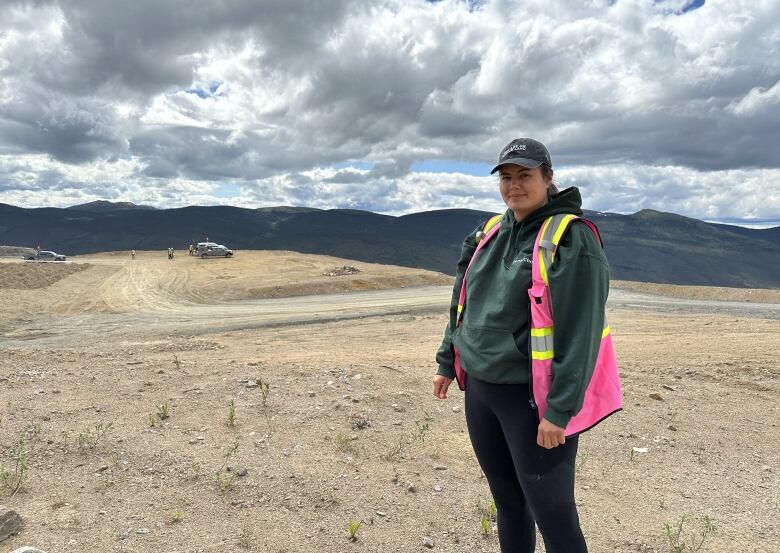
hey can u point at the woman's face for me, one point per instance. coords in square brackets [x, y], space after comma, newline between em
[523, 190]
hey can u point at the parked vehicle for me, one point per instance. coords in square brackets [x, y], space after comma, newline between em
[45, 255]
[210, 249]
[202, 246]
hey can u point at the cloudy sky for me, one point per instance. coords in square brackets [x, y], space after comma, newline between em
[393, 106]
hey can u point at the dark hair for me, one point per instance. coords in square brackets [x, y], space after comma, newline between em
[547, 173]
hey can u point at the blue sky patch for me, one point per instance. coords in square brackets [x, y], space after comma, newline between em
[228, 191]
[450, 166]
[198, 92]
[474, 5]
[688, 7]
[207, 93]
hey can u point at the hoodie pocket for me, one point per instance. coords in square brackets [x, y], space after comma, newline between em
[486, 348]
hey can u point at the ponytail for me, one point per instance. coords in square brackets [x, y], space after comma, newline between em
[547, 174]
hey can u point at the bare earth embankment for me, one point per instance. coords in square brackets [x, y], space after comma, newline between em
[119, 380]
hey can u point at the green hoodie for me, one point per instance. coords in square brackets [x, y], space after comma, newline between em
[493, 335]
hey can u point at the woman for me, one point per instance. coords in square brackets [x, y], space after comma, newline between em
[528, 462]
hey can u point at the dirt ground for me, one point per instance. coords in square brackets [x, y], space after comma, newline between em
[212, 405]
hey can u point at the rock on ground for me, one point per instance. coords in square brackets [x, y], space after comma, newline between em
[10, 523]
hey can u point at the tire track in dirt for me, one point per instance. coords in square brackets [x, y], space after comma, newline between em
[163, 309]
[161, 316]
[140, 287]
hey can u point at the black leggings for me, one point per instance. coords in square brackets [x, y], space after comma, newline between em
[529, 484]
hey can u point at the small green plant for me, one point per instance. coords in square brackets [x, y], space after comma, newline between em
[422, 428]
[345, 444]
[352, 529]
[225, 481]
[487, 518]
[163, 411]
[224, 477]
[177, 517]
[265, 390]
[11, 481]
[678, 543]
[89, 439]
[176, 362]
[152, 420]
[342, 441]
[231, 419]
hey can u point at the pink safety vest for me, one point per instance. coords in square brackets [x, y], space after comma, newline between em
[602, 396]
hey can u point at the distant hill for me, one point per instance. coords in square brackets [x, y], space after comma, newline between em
[648, 246]
[103, 205]
[772, 234]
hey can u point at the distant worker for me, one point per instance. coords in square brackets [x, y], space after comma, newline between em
[192, 249]
[132, 254]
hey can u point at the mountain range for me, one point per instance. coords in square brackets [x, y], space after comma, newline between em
[647, 246]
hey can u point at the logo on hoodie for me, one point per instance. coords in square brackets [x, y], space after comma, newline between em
[523, 260]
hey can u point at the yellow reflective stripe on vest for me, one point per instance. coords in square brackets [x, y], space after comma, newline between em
[542, 343]
[540, 261]
[492, 222]
[460, 308]
[561, 228]
[545, 225]
[552, 232]
[542, 266]
[489, 225]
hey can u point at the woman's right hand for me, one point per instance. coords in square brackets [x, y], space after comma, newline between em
[440, 386]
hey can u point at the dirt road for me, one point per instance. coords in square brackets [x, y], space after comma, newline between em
[114, 298]
[148, 296]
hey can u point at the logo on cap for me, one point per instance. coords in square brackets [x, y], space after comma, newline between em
[513, 148]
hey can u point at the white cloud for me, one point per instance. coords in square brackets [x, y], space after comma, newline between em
[759, 101]
[738, 194]
[662, 105]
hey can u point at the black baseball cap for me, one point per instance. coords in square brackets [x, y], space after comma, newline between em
[526, 152]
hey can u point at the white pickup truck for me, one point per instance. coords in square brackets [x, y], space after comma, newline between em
[211, 249]
[45, 256]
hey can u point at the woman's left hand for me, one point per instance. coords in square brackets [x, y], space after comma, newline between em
[549, 435]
